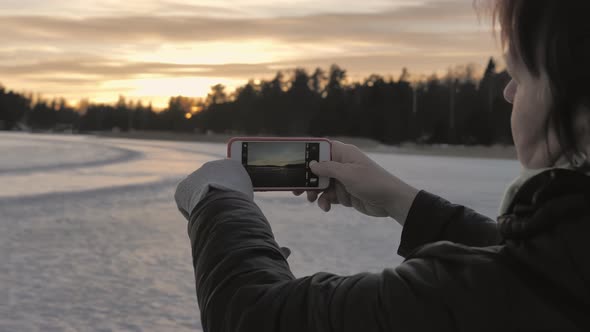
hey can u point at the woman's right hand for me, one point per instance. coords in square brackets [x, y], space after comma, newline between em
[361, 183]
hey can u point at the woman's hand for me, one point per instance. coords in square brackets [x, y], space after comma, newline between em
[223, 174]
[361, 183]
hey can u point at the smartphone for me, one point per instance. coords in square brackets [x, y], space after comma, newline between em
[281, 164]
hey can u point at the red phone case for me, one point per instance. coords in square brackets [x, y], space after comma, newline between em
[285, 139]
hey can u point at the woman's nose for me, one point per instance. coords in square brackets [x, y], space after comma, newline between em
[510, 91]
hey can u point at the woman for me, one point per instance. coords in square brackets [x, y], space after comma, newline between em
[530, 271]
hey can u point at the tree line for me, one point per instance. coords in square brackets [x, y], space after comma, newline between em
[457, 109]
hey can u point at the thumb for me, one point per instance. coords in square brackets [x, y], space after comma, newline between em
[330, 169]
[286, 252]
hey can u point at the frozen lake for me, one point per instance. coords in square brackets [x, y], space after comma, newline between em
[91, 240]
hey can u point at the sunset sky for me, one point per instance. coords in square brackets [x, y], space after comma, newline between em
[154, 49]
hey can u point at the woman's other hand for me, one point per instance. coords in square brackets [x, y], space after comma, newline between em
[224, 174]
[361, 183]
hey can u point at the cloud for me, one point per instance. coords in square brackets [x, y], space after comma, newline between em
[82, 52]
[419, 37]
[98, 67]
[93, 69]
[406, 23]
[90, 8]
[167, 7]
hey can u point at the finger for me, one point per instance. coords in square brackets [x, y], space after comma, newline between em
[312, 196]
[327, 199]
[298, 192]
[337, 151]
[331, 169]
[358, 205]
[342, 195]
[324, 205]
[286, 252]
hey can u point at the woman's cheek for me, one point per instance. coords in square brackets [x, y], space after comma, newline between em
[515, 125]
[527, 128]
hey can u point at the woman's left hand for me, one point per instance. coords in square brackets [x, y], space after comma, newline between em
[223, 174]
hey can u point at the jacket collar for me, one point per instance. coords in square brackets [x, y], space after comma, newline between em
[550, 197]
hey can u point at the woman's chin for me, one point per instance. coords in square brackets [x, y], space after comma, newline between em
[534, 160]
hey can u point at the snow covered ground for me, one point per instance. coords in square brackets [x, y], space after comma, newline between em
[90, 238]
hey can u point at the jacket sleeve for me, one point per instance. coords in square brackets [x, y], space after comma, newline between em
[244, 283]
[432, 218]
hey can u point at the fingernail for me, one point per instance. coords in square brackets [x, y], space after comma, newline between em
[313, 162]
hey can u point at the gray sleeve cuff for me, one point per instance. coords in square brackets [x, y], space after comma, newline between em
[225, 174]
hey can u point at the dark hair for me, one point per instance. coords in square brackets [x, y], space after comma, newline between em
[554, 36]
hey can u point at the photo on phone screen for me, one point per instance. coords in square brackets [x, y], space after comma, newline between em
[280, 164]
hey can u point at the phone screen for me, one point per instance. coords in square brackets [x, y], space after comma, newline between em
[280, 164]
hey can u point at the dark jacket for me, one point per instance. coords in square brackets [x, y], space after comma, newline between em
[530, 271]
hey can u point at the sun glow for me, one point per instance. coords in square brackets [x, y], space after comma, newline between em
[159, 89]
[219, 52]
[151, 50]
